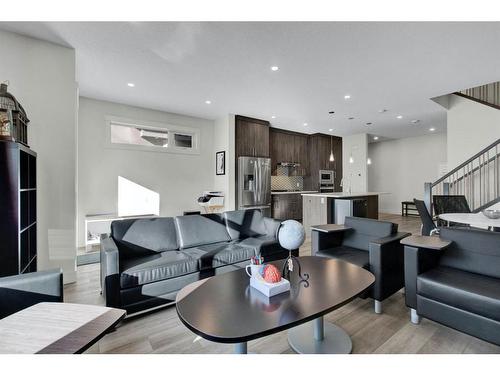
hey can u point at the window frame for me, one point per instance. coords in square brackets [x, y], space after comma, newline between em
[154, 126]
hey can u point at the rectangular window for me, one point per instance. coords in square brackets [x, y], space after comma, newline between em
[183, 140]
[152, 136]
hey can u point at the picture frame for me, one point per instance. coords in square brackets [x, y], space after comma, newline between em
[220, 163]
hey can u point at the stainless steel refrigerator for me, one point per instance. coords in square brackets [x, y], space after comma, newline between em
[254, 184]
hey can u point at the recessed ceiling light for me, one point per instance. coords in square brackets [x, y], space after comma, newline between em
[432, 129]
[208, 102]
[274, 68]
[350, 118]
[399, 117]
[130, 84]
[305, 124]
[347, 97]
[415, 121]
[375, 138]
[273, 116]
[369, 123]
[330, 130]
[383, 110]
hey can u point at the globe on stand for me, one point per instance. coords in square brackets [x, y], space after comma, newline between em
[291, 235]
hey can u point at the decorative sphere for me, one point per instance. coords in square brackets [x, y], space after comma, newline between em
[271, 274]
[291, 234]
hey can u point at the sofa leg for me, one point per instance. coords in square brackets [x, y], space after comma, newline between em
[415, 319]
[378, 307]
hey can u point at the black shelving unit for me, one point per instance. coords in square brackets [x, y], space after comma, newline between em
[18, 215]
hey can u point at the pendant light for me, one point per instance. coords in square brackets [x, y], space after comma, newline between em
[332, 158]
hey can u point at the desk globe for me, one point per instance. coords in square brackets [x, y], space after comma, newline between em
[291, 236]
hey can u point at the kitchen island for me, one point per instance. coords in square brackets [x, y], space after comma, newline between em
[331, 208]
[287, 204]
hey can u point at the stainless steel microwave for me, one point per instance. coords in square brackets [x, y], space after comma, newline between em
[326, 177]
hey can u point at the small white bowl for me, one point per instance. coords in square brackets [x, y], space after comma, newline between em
[492, 214]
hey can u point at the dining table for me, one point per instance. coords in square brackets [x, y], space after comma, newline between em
[473, 219]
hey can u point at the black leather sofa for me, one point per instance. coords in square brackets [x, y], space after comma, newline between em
[145, 262]
[371, 244]
[21, 291]
[458, 286]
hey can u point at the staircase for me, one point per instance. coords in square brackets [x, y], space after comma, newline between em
[477, 178]
[486, 94]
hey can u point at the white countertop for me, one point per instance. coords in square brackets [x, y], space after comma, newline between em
[293, 192]
[342, 194]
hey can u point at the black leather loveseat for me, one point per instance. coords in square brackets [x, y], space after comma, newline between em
[459, 285]
[145, 262]
[368, 243]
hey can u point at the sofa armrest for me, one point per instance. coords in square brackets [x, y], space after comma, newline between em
[110, 271]
[417, 261]
[396, 237]
[21, 291]
[272, 226]
[387, 264]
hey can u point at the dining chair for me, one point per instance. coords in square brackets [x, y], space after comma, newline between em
[428, 225]
[450, 204]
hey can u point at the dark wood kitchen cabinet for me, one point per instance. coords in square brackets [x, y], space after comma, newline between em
[287, 206]
[290, 147]
[320, 146]
[252, 137]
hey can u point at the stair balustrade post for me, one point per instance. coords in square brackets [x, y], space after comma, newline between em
[446, 188]
[428, 196]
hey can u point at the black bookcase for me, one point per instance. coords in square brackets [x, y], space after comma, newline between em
[18, 240]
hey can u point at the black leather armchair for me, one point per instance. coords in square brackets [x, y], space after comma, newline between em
[371, 244]
[21, 291]
[457, 284]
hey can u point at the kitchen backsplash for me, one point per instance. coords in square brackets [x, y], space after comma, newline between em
[287, 183]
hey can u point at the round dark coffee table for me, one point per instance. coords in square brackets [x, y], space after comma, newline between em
[226, 309]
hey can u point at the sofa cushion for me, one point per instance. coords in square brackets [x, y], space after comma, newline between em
[156, 267]
[472, 250]
[220, 254]
[267, 246]
[245, 223]
[196, 230]
[464, 290]
[142, 236]
[365, 230]
[360, 258]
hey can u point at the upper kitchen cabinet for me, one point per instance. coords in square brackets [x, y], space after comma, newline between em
[252, 137]
[289, 147]
[301, 146]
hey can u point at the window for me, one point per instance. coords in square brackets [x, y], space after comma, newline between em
[183, 140]
[128, 134]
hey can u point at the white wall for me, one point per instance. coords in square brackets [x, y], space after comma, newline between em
[355, 173]
[224, 133]
[42, 77]
[471, 126]
[402, 166]
[179, 178]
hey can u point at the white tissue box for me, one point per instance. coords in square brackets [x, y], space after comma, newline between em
[269, 289]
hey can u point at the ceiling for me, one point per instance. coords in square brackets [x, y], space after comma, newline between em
[178, 66]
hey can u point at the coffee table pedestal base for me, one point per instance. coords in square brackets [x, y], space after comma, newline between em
[318, 337]
[241, 348]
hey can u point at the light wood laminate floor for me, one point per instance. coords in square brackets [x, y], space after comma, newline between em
[390, 332]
